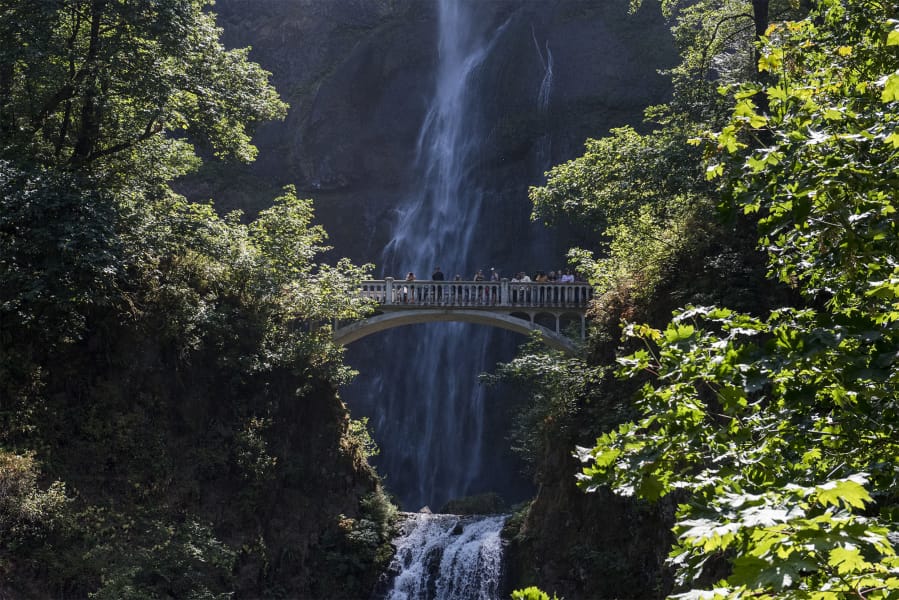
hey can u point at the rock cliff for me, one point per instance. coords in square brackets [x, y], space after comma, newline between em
[358, 75]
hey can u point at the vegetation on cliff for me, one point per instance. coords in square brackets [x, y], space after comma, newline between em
[770, 423]
[169, 422]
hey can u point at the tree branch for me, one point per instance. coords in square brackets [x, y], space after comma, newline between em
[152, 128]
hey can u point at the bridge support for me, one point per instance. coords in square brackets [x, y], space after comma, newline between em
[360, 329]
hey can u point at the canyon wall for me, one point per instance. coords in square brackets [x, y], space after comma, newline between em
[360, 76]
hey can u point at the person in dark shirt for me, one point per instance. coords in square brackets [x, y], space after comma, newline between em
[437, 275]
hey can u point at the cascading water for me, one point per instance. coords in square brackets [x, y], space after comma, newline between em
[429, 401]
[543, 145]
[547, 83]
[447, 557]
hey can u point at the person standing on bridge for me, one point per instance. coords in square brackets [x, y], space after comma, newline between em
[494, 277]
[437, 275]
[478, 290]
[407, 289]
[525, 290]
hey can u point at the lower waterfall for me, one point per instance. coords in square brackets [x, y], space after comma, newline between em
[447, 557]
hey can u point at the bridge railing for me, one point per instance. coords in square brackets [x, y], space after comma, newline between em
[503, 293]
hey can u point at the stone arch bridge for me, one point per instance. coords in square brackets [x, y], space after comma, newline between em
[523, 307]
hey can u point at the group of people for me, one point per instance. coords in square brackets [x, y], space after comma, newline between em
[542, 277]
[560, 276]
[488, 294]
[437, 275]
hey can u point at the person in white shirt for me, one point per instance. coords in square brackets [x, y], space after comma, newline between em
[525, 294]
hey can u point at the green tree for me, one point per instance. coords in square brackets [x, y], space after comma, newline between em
[101, 104]
[783, 429]
[153, 353]
[646, 193]
[114, 86]
[642, 194]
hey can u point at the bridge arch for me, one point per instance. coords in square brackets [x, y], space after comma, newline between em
[382, 322]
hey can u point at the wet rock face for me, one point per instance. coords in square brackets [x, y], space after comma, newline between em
[345, 67]
[359, 75]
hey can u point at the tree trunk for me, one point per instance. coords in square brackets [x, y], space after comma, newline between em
[760, 16]
[90, 118]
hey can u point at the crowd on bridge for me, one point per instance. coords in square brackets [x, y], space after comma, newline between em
[482, 289]
[559, 276]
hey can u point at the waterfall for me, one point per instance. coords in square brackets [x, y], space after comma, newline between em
[547, 83]
[437, 223]
[430, 408]
[447, 557]
[544, 143]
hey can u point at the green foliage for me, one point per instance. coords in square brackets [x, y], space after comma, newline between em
[360, 435]
[532, 593]
[377, 508]
[58, 253]
[784, 429]
[643, 193]
[256, 464]
[163, 360]
[717, 42]
[348, 547]
[642, 252]
[619, 176]
[27, 514]
[100, 84]
[183, 560]
[822, 184]
[555, 388]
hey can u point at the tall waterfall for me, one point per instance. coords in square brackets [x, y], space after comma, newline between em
[447, 557]
[436, 226]
[430, 405]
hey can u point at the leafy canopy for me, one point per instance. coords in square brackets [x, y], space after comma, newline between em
[118, 86]
[120, 300]
[784, 429]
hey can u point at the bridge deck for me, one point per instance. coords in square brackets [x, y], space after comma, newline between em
[497, 295]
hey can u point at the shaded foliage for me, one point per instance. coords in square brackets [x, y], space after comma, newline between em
[165, 365]
[776, 430]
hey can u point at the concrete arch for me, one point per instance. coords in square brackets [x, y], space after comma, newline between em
[360, 329]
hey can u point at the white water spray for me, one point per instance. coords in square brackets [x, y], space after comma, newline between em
[447, 557]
